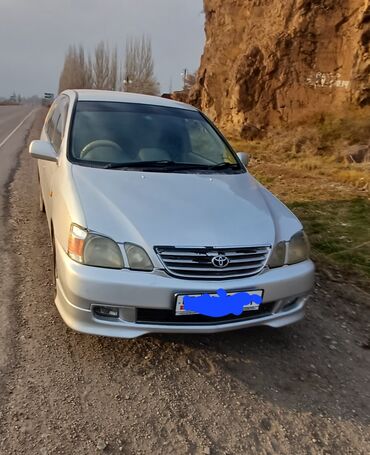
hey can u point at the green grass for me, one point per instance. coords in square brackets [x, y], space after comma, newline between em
[339, 232]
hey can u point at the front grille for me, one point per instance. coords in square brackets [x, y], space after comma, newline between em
[196, 263]
[151, 316]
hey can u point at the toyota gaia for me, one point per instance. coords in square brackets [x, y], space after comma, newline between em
[157, 225]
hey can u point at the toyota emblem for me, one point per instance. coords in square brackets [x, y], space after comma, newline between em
[220, 261]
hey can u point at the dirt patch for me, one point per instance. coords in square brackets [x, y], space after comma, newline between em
[301, 390]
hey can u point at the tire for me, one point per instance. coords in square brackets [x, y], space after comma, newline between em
[55, 268]
[41, 202]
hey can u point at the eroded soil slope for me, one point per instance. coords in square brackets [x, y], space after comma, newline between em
[268, 62]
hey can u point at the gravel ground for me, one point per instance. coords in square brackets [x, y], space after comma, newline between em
[299, 390]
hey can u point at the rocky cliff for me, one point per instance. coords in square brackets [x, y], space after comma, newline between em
[272, 61]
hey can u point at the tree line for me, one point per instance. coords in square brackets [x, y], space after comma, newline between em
[105, 71]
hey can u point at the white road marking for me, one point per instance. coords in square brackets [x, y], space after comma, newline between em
[16, 129]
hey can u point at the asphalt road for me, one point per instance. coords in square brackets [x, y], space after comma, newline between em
[302, 390]
[15, 122]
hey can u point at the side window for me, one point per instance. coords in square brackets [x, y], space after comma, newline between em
[58, 133]
[53, 123]
[58, 121]
[58, 109]
[206, 144]
[64, 110]
[197, 134]
[48, 120]
[201, 141]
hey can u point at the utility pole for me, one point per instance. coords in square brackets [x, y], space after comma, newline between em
[184, 75]
[126, 84]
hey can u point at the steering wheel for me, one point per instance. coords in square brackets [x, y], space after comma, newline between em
[103, 144]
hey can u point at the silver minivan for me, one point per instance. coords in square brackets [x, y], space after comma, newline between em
[157, 225]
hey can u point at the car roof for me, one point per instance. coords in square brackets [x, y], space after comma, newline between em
[125, 97]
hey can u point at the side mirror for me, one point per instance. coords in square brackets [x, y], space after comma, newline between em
[43, 150]
[244, 158]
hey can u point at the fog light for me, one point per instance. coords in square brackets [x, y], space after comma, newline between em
[106, 312]
[289, 302]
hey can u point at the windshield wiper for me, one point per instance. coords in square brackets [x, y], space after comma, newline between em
[141, 164]
[221, 166]
[170, 165]
[162, 164]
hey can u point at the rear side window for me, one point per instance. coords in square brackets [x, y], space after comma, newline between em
[64, 106]
[58, 134]
[56, 125]
[49, 119]
[53, 123]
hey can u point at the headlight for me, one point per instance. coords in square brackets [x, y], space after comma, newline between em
[138, 258]
[277, 258]
[298, 248]
[102, 252]
[292, 252]
[93, 249]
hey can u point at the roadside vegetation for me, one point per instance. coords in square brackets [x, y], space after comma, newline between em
[321, 169]
[104, 70]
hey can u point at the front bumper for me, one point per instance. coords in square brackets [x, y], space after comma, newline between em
[81, 288]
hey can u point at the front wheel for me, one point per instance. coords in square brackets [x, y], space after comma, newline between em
[55, 268]
[41, 202]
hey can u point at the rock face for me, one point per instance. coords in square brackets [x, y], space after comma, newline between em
[272, 61]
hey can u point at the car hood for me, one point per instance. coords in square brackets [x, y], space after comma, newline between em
[174, 209]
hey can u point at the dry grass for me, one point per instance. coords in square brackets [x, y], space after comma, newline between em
[350, 128]
[306, 167]
[318, 146]
[359, 177]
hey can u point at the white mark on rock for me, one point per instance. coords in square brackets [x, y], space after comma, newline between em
[330, 80]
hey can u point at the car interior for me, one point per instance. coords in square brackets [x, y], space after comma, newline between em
[127, 138]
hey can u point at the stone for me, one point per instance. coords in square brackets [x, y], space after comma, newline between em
[101, 445]
[359, 153]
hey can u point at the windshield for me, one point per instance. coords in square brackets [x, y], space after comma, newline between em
[115, 135]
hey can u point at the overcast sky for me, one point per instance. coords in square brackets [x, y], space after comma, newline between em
[34, 35]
